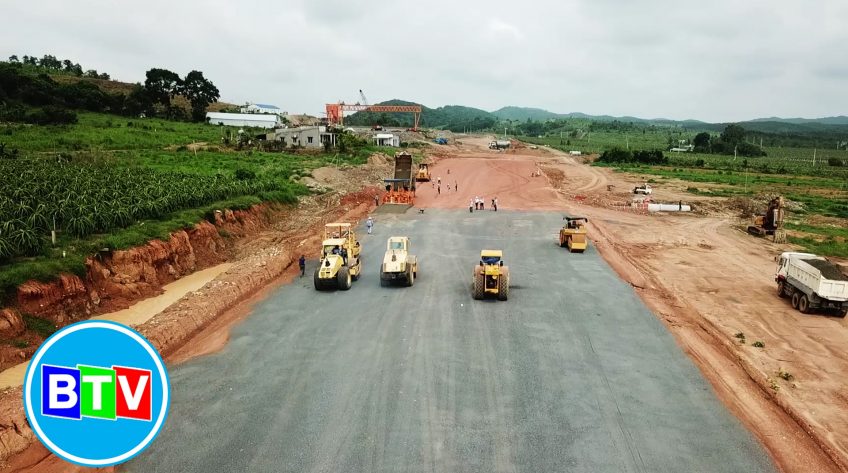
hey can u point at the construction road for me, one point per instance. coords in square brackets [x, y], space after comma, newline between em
[573, 373]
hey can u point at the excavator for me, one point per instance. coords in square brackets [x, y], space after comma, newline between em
[771, 223]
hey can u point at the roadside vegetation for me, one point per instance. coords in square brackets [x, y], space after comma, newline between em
[104, 176]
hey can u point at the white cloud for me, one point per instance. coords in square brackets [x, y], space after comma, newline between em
[720, 61]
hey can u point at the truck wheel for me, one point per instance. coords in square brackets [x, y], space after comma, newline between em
[796, 297]
[561, 242]
[841, 313]
[383, 282]
[804, 304]
[477, 287]
[410, 277]
[781, 289]
[344, 279]
[503, 287]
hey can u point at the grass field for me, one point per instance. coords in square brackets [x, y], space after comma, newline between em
[808, 161]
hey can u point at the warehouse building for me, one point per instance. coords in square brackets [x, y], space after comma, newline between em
[257, 120]
[261, 108]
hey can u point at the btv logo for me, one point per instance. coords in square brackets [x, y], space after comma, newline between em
[96, 393]
[92, 391]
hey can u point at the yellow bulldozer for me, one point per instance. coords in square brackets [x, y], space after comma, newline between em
[573, 234]
[340, 264]
[423, 174]
[490, 276]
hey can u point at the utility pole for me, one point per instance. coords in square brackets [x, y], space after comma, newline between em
[814, 157]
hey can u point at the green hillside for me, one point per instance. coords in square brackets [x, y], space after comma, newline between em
[449, 117]
[525, 113]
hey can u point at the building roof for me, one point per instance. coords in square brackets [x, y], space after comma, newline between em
[384, 136]
[265, 105]
[241, 116]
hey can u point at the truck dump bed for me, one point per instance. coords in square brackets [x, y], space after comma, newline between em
[828, 270]
[821, 276]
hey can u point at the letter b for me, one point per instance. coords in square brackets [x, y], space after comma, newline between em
[60, 392]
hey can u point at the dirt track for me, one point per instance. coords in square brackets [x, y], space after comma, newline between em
[707, 281]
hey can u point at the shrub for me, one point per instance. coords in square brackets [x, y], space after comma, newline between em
[835, 162]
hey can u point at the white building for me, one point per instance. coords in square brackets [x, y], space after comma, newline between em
[261, 108]
[386, 139]
[243, 119]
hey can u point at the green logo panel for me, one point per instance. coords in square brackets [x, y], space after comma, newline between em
[97, 392]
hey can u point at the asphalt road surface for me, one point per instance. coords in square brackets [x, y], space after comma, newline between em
[573, 373]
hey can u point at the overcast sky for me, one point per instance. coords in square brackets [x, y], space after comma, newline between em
[718, 60]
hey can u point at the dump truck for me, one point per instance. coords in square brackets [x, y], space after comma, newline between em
[398, 264]
[573, 234]
[499, 144]
[811, 283]
[423, 174]
[400, 189]
[490, 276]
[340, 264]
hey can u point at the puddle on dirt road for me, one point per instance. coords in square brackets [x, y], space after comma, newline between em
[136, 314]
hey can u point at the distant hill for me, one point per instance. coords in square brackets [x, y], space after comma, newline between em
[458, 118]
[840, 120]
[449, 117]
[523, 113]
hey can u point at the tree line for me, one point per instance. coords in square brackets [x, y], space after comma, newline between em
[731, 141]
[51, 64]
[29, 96]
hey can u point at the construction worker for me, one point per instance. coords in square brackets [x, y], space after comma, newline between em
[482, 203]
[369, 224]
[471, 205]
[495, 203]
[439, 189]
[439, 181]
[455, 186]
[302, 263]
[343, 254]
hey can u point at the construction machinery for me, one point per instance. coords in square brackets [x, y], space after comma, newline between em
[398, 264]
[423, 174]
[400, 189]
[335, 111]
[500, 144]
[573, 234]
[490, 276]
[644, 189]
[340, 264]
[812, 282]
[771, 223]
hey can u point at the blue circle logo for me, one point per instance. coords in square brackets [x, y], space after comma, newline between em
[96, 393]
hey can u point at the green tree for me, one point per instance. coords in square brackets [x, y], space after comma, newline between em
[13, 58]
[200, 92]
[733, 135]
[162, 85]
[701, 142]
[50, 62]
